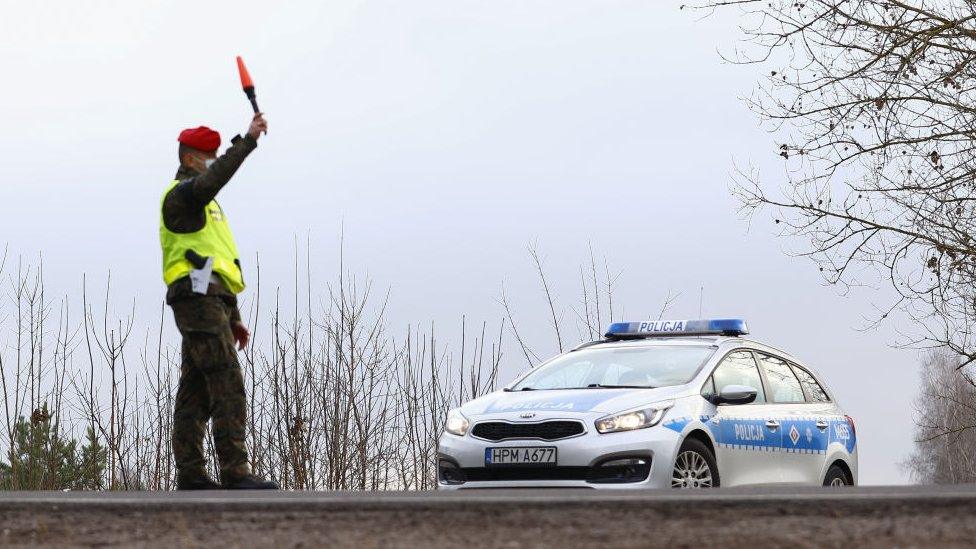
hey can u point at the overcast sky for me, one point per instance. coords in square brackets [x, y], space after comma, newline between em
[442, 137]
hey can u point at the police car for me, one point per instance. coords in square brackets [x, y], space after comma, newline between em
[680, 404]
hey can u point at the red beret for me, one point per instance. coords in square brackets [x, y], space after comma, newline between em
[202, 138]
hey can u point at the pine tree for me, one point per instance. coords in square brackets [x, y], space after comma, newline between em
[41, 458]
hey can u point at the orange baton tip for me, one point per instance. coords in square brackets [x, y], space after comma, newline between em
[246, 81]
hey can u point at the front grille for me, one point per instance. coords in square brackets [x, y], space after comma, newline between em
[610, 474]
[546, 430]
[475, 474]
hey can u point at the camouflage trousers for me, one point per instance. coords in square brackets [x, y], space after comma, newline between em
[211, 388]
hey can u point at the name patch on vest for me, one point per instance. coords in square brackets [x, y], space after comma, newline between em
[216, 213]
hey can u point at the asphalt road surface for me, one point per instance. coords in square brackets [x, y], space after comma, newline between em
[907, 516]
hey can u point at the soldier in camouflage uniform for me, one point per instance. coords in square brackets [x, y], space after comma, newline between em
[198, 246]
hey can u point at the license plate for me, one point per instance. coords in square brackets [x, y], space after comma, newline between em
[534, 455]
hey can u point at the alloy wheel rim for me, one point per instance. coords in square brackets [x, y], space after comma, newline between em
[837, 481]
[691, 470]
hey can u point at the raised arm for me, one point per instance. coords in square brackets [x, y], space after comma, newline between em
[204, 187]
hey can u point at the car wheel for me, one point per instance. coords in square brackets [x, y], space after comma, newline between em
[836, 477]
[694, 467]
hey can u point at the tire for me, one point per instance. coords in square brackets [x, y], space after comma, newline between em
[836, 477]
[694, 467]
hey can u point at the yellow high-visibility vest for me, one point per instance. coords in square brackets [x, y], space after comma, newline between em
[214, 240]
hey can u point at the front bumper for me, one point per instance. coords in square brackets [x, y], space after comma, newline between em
[590, 460]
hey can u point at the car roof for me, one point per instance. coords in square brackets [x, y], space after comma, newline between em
[654, 341]
[717, 341]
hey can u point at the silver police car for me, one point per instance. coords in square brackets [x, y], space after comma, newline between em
[657, 404]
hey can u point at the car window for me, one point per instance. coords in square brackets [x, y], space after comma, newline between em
[618, 374]
[739, 368]
[620, 365]
[783, 385]
[573, 375]
[814, 390]
[708, 389]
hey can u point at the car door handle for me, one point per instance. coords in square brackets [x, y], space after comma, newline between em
[772, 425]
[822, 425]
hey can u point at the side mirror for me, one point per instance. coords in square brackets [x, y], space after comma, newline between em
[735, 394]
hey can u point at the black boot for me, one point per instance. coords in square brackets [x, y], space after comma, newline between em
[196, 483]
[250, 482]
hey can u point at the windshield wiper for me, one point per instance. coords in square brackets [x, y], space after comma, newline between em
[507, 390]
[602, 386]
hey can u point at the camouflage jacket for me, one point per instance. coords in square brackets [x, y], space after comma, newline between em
[184, 209]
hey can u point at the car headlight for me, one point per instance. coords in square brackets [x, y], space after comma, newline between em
[635, 419]
[457, 424]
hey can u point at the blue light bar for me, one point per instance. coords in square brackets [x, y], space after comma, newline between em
[671, 328]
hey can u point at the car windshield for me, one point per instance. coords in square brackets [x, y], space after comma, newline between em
[649, 366]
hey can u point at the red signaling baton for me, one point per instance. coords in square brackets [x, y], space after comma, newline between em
[247, 84]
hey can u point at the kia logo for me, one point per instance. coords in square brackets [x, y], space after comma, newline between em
[527, 415]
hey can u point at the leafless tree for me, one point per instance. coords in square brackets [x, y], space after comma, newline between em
[945, 432]
[591, 314]
[871, 102]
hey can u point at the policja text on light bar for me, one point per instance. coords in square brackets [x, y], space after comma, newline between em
[658, 328]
